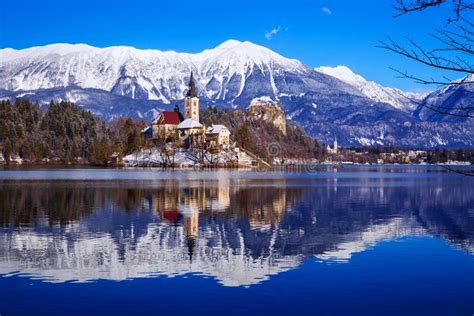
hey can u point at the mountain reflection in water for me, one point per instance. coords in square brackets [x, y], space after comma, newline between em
[238, 231]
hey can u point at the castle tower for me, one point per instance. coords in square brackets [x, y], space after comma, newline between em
[191, 102]
[335, 145]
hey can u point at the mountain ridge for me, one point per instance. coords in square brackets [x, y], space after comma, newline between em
[232, 57]
[403, 100]
[122, 80]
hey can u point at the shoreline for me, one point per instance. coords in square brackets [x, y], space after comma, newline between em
[242, 167]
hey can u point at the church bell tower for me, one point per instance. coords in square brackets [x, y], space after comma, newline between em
[191, 102]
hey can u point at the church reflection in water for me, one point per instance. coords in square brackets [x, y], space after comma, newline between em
[239, 232]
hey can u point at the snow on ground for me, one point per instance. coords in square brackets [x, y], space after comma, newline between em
[15, 159]
[187, 158]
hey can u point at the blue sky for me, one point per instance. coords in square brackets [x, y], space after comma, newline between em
[326, 32]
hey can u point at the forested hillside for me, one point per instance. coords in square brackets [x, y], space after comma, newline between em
[63, 133]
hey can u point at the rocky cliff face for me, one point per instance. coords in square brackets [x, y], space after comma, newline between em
[268, 111]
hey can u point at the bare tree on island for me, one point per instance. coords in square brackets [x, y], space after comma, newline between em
[167, 146]
[452, 54]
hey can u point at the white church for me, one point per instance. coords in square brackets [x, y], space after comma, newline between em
[171, 125]
[332, 150]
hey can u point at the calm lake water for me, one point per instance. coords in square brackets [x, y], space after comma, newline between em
[319, 241]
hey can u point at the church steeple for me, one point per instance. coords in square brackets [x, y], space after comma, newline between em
[190, 243]
[191, 87]
[191, 102]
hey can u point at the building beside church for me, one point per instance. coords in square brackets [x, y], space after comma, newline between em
[218, 136]
[191, 132]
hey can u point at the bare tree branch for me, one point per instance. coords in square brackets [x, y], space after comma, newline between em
[403, 7]
[447, 81]
[456, 45]
[425, 57]
[453, 54]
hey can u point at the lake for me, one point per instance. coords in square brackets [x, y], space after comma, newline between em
[360, 240]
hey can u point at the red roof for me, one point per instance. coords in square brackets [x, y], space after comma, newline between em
[171, 215]
[168, 117]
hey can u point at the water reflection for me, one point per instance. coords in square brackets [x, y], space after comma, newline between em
[239, 231]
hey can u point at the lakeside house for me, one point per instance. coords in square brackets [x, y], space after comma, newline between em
[218, 135]
[191, 132]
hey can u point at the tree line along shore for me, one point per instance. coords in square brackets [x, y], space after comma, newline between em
[65, 134]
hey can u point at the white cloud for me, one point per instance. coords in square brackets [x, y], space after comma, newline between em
[269, 35]
[326, 10]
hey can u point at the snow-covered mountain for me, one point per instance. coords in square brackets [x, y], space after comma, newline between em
[226, 72]
[116, 81]
[452, 103]
[405, 101]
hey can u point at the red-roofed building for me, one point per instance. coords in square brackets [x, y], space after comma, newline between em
[165, 125]
[167, 118]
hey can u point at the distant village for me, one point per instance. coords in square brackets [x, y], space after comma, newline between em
[393, 155]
